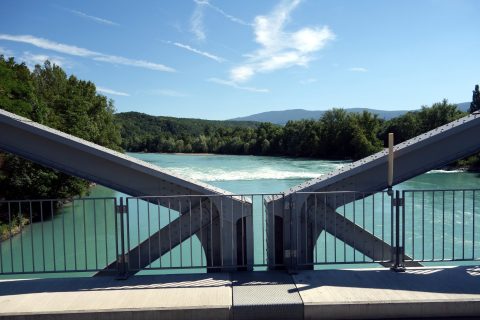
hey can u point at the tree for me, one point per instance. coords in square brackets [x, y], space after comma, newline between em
[68, 104]
[475, 105]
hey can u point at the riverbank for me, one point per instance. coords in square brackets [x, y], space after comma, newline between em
[8, 231]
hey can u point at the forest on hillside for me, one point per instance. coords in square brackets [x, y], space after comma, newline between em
[338, 134]
[48, 96]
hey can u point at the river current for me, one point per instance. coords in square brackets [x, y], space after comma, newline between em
[257, 174]
[82, 235]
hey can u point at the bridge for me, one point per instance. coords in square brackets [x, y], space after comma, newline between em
[227, 239]
[166, 215]
[431, 150]
[83, 159]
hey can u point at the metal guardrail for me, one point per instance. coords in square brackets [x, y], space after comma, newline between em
[344, 228]
[212, 233]
[44, 236]
[441, 225]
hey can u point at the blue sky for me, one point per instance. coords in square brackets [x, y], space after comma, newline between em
[216, 59]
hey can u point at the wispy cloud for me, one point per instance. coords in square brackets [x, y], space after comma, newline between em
[358, 69]
[93, 18]
[86, 53]
[236, 85]
[167, 93]
[49, 45]
[223, 13]
[6, 52]
[133, 63]
[112, 92]
[199, 52]
[197, 25]
[31, 59]
[280, 49]
[196, 20]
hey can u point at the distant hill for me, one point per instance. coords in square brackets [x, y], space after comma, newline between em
[141, 123]
[143, 132]
[464, 106]
[282, 117]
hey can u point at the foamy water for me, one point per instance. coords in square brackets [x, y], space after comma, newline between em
[265, 173]
[250, 174]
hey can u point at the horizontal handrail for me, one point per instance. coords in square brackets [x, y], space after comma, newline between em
[210, 232]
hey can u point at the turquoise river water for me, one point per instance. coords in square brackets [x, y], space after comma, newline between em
[81, 235]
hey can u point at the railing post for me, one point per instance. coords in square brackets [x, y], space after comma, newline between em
[121, 210]
[398, 249]
[291, 254]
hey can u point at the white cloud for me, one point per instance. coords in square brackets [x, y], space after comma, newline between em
[6, 52]
[223, 13]
[49, 45]
[82, 52]
[197, 26]
[358, 69]
[241, 73]
[202, 53]
[93, 18]
[133, 63]
[280, 49]
[237, 86]
[112, 92]
[196, 21]
[31, 59]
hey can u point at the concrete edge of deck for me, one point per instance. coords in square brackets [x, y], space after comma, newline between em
[137, 314]
[327, 294]
[397, 310]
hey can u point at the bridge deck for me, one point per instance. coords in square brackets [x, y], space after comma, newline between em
[367, 293]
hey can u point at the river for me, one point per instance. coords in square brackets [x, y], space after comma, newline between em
[257, 174]
[78, 240]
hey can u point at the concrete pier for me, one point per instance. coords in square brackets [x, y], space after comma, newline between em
[330, 294]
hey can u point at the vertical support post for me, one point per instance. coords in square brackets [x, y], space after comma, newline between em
[121, 259]
[292, 253]
[390, 159]
[390, 165]
[290, 240]
[398, 256]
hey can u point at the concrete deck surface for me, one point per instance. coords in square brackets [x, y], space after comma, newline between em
[204, 296]
[381, 293]
[327, 294]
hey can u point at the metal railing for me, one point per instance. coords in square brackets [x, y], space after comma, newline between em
[207, 232]
[344, 228]
[440, 225]
[238, 232]
[41, 236]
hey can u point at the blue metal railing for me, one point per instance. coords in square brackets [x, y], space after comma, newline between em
[200, 233]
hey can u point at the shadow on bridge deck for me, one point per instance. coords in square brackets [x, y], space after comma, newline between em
[326, 294]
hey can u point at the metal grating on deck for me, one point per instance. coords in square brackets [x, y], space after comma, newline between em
[261, 295]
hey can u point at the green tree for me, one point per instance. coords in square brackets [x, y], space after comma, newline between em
[48, 96]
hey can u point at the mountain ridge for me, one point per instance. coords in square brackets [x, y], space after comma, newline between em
[281, 117]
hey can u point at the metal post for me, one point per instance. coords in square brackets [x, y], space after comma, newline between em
[293, 243]
[122, 265]
[398, 261]
[390, 164]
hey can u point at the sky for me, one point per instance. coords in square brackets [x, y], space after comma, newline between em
[219, 59]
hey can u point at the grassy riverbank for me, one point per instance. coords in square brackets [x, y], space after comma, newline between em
[15, 227]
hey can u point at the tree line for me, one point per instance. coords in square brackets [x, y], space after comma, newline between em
[48, 96]
[336, 135]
